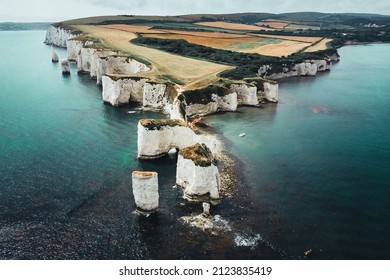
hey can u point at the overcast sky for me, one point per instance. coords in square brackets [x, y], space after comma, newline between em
[58, 10]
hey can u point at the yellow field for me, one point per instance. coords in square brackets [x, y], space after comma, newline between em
[247, 44]
[284, 48]
[274, 24]
[300, 26]
[321, 45]
[133, 28]
[191, 72]
[232, 26]
[302, 39]
[205, 41]
[282, 24]
[204, 34]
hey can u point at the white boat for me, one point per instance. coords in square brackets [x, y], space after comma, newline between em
[242, 134]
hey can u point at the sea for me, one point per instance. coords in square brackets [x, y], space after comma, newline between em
[313, 170]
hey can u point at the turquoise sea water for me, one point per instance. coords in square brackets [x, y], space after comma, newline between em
[313, 168]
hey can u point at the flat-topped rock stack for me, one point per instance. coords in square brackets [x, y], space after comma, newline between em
[196, 172]
[145, 191]
[156, 137]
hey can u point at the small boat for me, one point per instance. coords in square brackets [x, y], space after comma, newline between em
[242, 134]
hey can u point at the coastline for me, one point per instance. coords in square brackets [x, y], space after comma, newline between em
[248, 94]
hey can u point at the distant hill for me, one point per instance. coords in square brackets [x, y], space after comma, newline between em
[18, 26]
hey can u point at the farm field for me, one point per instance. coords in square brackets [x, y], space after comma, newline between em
[133, 28]
[245, 44]
[273, 24]
[233, 26]
[301, 26]
[167, 65]
[272, 45]
[189, 72]
[286, 25]
[222, 43]
[284, 48]
[321, 45]
[302, 39]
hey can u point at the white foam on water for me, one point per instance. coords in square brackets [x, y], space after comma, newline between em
[244, 240]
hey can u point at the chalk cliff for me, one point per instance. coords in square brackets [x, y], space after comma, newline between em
[246, 94]
[102, 62]
[196, 172]
[305, 68]
[118, 91]
[157, 137]
[270, 92]
[208, 100]
[154, 95]
[58, 36]
[215, 104]
[145, 190]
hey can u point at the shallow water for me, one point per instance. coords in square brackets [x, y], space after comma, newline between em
[313, 168]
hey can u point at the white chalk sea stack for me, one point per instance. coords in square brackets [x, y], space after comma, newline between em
[196, 172]
[65, 67]
[145, 191]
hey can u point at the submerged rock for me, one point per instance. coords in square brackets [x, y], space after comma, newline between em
[145, 191]
[213, 225]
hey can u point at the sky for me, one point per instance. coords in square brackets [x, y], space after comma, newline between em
[59, 10]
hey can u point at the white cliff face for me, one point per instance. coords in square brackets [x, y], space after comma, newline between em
[154, 95]
[84, 59]
[246, 94]
[217, 103]
[156, 142]
[108, 62]
[270, 92]
[74, 47]
[307, 68]
[197, 180]
[102, 62]
[322, 65]
[58, 36]
[173, 110]
[228, 102]
[120, 91]
[145, 190]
